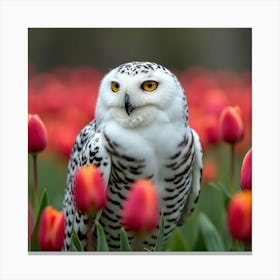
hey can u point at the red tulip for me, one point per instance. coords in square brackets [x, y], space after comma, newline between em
[51, 230]
[239, 216]
[246, 172]
[37, 134]
[140, 211]
[231, 125]
[89, 190]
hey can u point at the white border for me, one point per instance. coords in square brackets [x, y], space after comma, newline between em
[17, 16]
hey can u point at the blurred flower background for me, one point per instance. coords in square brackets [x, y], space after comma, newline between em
[214, 67]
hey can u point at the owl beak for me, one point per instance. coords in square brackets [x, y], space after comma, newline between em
[127, 104]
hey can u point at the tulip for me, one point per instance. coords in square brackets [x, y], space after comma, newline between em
[89, 190]
[37, 142]
[89, 195]
[239, 216]
[232, 131]
[231, 125]
[140, 212]
[246, 172]
[51, 229]
[37, 134]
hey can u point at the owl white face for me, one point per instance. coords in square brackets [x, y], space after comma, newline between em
[136, 94]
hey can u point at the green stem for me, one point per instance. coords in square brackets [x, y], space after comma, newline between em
[30, 227]
[36, 193]
[89, 246]
[232, 168]
[136, 243]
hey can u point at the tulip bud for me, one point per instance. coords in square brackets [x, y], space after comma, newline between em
[239, 216]
[89, 190]
[51, 229]
[231, 125]
[246, 172]
[37, 134]
[140, 211]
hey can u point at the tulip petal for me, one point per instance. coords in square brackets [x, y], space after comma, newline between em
[89, 190]
[142, 196]
[231, 125]
[239, 216]
[37, 134]
[246, 172]
[51, 229]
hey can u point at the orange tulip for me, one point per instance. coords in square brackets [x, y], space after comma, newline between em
[231, 125]
[246, 172]
[239, 216]
[37, 134]
[140, 211]
[51, 230]
[89, 190]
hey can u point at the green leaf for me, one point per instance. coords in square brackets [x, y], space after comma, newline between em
[212, 238]
[147, 250]
[159, 242]
[177, 242]
[101, 239]
[190, 230]
[34, 235]
[42, 206]
[76, 241]
[220, 187]
[125, 246]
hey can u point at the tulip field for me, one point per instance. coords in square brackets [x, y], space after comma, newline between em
[62, 101]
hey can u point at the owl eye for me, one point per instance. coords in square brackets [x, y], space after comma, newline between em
[115, 86]
[149, 86]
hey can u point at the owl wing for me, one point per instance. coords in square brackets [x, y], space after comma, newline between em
[196, 180]
[88, 149]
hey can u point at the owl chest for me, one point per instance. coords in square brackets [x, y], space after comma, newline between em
[133, 157]
[142, 154]
[133, 161]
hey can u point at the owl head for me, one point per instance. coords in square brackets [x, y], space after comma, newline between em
[136, 94]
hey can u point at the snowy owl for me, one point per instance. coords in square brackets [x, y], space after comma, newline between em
[141, 130]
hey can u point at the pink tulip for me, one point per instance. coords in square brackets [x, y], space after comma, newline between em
[246, 172]
[37, 134]
[89, 190]
[140, 211]
[231, 125]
